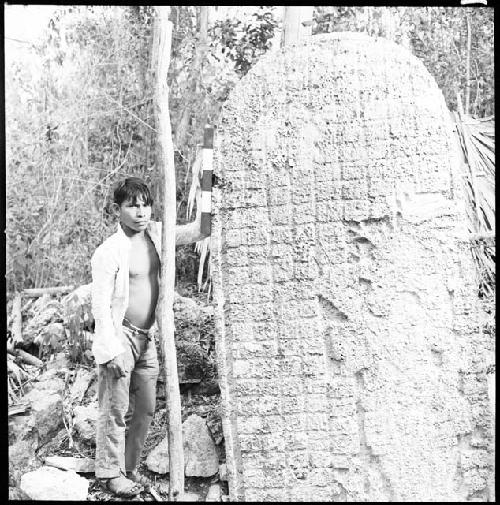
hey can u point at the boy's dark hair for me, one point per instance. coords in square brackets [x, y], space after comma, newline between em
[130, 189]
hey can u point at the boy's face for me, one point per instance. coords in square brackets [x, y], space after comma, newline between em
[133, 214]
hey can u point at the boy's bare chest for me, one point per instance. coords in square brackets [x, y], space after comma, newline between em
[143, 259]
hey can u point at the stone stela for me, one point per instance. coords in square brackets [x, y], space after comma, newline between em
[349, 353]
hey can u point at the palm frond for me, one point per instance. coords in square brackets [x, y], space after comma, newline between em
[195, 188]
[203, 246]
[203, 249]
[477, 139]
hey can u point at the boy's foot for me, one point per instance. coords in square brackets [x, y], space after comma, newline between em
[140, 479]
[121, 486]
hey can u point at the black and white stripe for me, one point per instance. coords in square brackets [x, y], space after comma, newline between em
[206, 182]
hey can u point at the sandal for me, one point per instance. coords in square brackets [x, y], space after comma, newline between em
[121, 486]
[140, 479]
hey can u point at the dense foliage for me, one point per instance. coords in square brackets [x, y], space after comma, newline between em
[438, 36]
[73, 134]
[80, 116]
[245, 42]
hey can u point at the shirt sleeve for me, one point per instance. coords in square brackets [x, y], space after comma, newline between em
[106, 344]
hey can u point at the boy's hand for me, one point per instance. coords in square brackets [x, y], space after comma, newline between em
[117, 366]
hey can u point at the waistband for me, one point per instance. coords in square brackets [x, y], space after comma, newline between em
[136, 329]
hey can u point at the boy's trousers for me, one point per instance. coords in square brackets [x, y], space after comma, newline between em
[126, 407]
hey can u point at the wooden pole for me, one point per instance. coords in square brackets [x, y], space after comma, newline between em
[26, 357]
[166, 296]
[17, 320]
[35, 292]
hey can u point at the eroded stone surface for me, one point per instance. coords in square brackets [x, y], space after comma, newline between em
[349, 353]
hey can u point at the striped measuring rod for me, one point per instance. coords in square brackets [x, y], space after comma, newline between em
[206, 181]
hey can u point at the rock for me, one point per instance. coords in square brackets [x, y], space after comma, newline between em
[22, 458]
[214, 493]
[81, 295]
[189, 317]
[17, 428]
[20, 427]
[162, 487]
[157, 460]
[191, 362]
[223, 472]
[190, 497]
[194, 365]
[58, 361]
[84, 421]
[79, 465]
[44, 311]
[16, 494]
[78, 312]
[53, 334]
[53, 445]
[39, 304]
[50, 382]
[49, 483]
[81, 383]
[46, 411]
[200, 455]
[214, 423]
[186, 310]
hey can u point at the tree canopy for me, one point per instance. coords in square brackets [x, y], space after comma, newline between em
[79, 110]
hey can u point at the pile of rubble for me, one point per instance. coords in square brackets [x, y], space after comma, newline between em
[53, 405]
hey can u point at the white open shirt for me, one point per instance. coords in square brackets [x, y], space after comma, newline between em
[110, 285]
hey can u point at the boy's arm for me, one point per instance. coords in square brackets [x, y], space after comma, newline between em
[191, 232]
[106, 344]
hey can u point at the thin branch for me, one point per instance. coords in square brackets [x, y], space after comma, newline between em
[130, 112]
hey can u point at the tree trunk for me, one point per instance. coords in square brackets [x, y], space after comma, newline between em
[297, 24]
[194, 79]
[17, 320]
[166, 297]
[467, 69]
[26, 357]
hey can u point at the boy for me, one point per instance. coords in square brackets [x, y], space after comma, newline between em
[125, 288]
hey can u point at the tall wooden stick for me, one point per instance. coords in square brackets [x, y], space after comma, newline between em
[166, 296]
[467, 63]
[17, 320]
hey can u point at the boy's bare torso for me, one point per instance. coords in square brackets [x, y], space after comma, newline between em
[144, 270]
